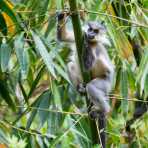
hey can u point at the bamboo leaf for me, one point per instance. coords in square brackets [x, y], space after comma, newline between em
[44, 53]
[36, 81]
[146, 87]
[45, 102]
[3, 25]
[143, 71]
[58, 4]
[51, 24]
[43, 96]
[124, 90]
[22, 54]
[4, 93]
[56, 95]
[5, 8]
[5, 53]
[62, 72]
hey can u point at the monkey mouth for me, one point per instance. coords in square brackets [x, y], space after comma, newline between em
[92, 40]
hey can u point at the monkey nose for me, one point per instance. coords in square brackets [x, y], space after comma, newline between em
[91, 36]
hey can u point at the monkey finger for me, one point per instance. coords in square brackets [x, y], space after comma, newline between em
[81, 88]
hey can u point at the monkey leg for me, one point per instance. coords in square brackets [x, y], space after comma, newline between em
[81, 88]
[97, 90]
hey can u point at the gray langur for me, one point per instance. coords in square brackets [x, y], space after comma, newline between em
[95, 60]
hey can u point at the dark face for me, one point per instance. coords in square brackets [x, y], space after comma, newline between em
[94, 29]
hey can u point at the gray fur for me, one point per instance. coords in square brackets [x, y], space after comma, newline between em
[96, 60]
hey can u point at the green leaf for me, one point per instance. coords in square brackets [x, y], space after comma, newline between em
[58, 4]
[3, 25]
[62, 72]
[22, 54]
[5, 53]
[45, 102]
[131, 77]
[143, 71]
[83, 132]
[36, 81]
[23, 92]
[25, 64]
[41, 102]
[5, 94]
[146, 88]
[3, 136]
[56, 95]
[41, 48]
[5, 8]
[61, 69]
[51, 24]
[124, 90]
[43, 96]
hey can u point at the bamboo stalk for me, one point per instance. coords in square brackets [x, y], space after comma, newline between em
[86, 76]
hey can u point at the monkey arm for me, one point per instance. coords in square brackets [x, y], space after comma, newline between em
[62, 33]
[74, 73]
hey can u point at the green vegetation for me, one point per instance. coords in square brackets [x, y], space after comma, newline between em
[38, 105]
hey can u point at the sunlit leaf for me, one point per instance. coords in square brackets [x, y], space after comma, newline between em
[9, 15]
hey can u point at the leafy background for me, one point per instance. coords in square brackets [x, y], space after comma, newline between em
[38, 105]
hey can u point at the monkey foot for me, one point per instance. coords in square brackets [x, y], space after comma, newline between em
[81, 88]
[95, 114]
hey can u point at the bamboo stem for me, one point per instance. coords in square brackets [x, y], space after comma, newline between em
[79, 45]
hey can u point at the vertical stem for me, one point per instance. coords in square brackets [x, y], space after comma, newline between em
[77, 31]
[79, 45]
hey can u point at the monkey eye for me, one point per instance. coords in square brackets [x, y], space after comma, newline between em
[90, 29]
[96, 30]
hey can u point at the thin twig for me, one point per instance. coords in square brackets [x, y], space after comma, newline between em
[98, 132]
[50, 110]
[26, 131]
[117, 17]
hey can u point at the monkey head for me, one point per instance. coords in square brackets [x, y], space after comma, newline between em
[95, 32]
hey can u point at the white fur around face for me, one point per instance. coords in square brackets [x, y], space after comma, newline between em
[103, 39]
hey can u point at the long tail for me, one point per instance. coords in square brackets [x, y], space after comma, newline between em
[101, 125]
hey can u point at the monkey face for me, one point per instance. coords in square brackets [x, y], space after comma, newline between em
[96, 32]
[94, 29]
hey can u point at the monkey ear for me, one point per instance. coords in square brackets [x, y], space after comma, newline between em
[60, 15]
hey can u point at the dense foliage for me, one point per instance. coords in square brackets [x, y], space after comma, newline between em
[38, 105]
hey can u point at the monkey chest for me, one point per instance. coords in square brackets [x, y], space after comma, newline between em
[100, 67]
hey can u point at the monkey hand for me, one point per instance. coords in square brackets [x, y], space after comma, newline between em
[62, 15]
[81, 88]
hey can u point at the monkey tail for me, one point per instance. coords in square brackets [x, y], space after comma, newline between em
[101, 125]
